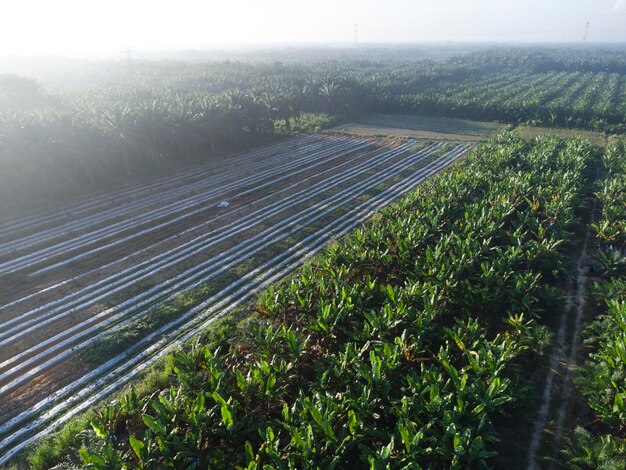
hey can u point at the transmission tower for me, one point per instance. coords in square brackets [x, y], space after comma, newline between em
[356, 34]
[586, 32]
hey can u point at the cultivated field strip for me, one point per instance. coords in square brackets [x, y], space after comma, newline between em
[179, 194]
[137, 192]
[244, 219]
[167, 206]
[203, 222]
[110, 285]
[199, 273]
[174, 226]
[103, 199]
[115, 373]
[188, 193]
[12, 334]
[240, 194]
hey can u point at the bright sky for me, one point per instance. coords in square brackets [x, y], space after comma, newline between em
[79, 27]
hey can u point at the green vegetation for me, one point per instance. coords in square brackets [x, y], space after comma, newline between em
[602, 380]
[305, 122]
[400, 346]
[164, 115]
[584, 451]
[531, 132]
[593, 100]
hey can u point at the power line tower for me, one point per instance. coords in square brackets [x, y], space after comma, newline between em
[356, 34]
[586, 32]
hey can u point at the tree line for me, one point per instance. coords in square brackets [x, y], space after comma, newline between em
[145, 116]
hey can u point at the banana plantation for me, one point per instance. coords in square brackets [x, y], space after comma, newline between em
[199, 268]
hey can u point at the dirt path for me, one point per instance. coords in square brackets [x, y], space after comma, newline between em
[551, 420]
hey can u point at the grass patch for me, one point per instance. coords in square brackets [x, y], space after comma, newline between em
[54, 448]
[433, 124]
[305, 122]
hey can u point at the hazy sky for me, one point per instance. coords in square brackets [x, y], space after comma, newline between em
[77, 27]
